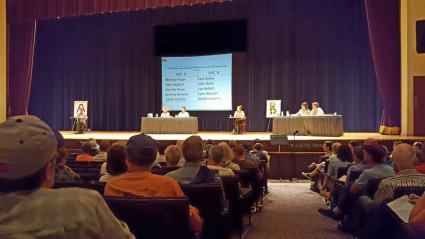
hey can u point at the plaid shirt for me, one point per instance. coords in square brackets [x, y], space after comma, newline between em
[405, 178]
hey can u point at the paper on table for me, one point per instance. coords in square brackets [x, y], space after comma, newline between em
[401, 207]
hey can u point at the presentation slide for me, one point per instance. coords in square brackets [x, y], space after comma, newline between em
[200, 83]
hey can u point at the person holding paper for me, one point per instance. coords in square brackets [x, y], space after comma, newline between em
[316, 110]
[417, 215]
[304, 111]
[165, 112]
[183, 112]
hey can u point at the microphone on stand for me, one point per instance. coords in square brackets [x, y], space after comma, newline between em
[295, 132]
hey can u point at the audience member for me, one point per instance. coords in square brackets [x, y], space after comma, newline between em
[140, 182]
[173, 155]
[344, 157]
[315, 168]
[95, 148]
[374, 156]
[192, 170]
[63, 173]
[353, 144]
[242, 161]
[417, 215]
[103, 153]
[215, 158]
[85, 155]
[116, 163]
[358, 165]
[29, 208]
[227, 161]
[404, 157]
[262, 158]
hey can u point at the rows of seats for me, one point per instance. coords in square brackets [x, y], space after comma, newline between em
[221, 213]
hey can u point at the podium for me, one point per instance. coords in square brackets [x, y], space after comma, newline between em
[79, 124]
[239, 125]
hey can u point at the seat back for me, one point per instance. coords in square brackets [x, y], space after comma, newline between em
[372, 186]
[68, 184]
[153, 217]
[353, 176]
[342, 171]
[209, 199]
[98, 186]
[401, 191]
[236, 204]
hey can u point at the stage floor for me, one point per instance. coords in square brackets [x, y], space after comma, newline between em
[263, 136]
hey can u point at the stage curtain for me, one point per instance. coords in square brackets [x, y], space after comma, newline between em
[28, 10]
[21, 40]
[383, 17]
[22, 16]
[298, 50]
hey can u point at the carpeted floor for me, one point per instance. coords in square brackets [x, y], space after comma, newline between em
[290, 211]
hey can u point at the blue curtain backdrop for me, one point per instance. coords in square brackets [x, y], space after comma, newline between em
[298, 50]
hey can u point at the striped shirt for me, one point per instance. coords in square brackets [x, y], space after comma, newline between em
[405, 178]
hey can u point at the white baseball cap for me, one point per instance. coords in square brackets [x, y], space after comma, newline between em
[27, 144]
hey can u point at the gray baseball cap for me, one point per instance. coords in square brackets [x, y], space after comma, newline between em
[27, 144]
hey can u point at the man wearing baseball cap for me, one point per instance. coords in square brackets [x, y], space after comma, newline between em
[28, 207]
[140, 182]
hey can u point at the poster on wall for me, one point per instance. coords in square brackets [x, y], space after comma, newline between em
[273, 108]
[80, 109]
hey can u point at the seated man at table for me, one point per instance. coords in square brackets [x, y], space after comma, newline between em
[304, 111]
[316, 110]
[183, 112]
[140, 182]
[165, 112]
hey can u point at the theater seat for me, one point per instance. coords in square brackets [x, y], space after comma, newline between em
[150, 218]
[214, 210]
[238, 201]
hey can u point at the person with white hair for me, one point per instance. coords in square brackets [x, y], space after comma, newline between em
[404, 157]
[316, 110]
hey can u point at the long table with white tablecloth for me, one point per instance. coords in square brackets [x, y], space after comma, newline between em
[327, 125]
[169, 125]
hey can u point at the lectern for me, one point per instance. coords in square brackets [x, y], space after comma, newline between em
[239, 125]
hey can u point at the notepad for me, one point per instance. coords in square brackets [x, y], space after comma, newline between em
[401, 207]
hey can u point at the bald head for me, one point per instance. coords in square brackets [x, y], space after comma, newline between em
[404, 156]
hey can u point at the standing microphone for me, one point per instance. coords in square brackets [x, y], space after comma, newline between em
[295, 132]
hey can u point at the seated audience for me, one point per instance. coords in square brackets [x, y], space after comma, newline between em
[304, 111]
[173, 155]
[374, 156]
[29, 208]
[85, 156]
[95, 148]
[103, 153]
[343, 160]
[330, 148]
[215, 158]
[353, 144]
[417, 215]
[116, 164]
[420, 161]
[404, 157]
[242, 161]
[140, 182]
[191, 172]
[316, 110]
[359, 164]
[262, 158]
[227, 161]
[63, 173]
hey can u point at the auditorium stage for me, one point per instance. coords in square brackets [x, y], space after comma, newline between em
[224, 136]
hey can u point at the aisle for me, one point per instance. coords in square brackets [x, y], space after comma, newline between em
[290, 211]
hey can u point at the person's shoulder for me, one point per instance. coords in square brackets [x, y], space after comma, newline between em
[73, 196]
